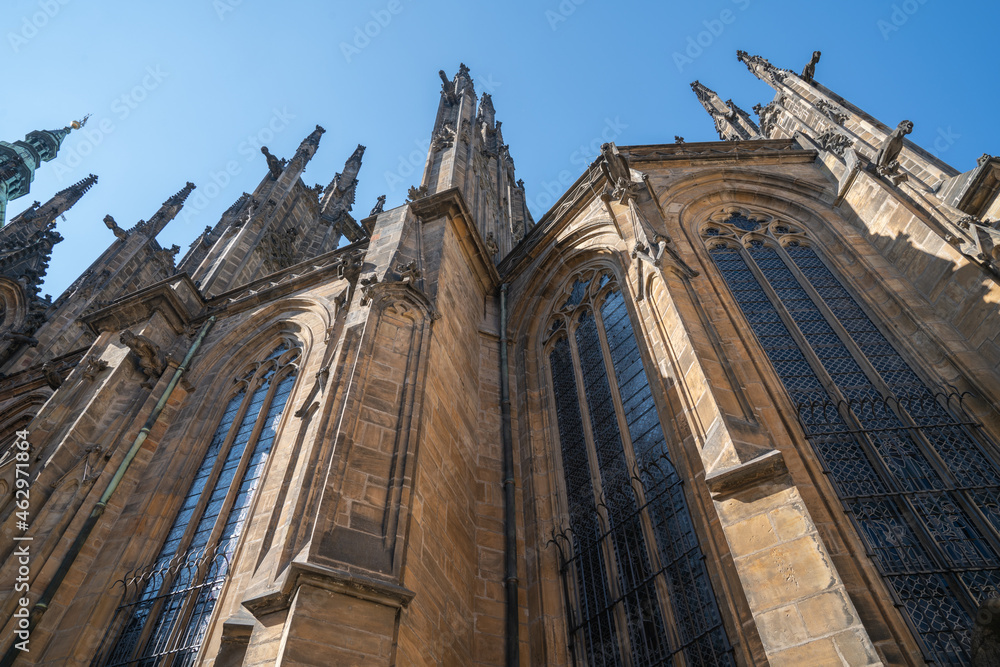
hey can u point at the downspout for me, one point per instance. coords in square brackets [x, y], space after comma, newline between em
[509, 523]
[88, 526]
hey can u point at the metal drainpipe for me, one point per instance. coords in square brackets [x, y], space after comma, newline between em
[43, 602]
[509, 525]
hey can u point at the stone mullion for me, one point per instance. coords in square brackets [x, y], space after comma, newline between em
[913, 431]
[571, 591]
[187, 609]
[183, 613]
[898, 497]
[604, 521]
[185, 542]
[649, 537]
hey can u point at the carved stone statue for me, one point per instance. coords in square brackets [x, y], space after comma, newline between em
[52, 377]
[886, 159]
[378, 206]
[92, 366]
[119, 233]
[151, 361]
[273, 163]
[18, 337]
[810, 69]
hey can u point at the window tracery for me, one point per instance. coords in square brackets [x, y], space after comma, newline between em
[914, 472]
[167, 607]
[633, 571]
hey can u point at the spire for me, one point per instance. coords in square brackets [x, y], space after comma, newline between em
[167, 212]
[762, 69]
[307, 149]
[731, 122]
[338, 197]
[20, 160]
[40, 215]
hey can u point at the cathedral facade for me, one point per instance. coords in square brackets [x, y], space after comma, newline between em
[726, 403]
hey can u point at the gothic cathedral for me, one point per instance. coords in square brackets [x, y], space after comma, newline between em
[726, 403]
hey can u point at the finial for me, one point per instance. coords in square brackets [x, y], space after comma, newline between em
[77, 124]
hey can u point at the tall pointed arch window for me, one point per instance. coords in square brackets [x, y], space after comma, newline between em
[634, 574]
[914, 472]
[167, 607]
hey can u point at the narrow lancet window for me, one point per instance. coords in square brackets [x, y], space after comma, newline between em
[167, 607]
[633, 570]
[915, 473]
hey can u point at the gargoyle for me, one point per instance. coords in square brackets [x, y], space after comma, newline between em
[886, 162]
[148, 355]
[52, 377]
[273, 163]
[119, 233]
[810, 69]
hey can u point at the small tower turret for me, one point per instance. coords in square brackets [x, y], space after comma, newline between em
[20, 160]
[731, 122]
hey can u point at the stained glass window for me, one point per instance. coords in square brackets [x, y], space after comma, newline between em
[913, 472]
[167, 607]
[633, 570]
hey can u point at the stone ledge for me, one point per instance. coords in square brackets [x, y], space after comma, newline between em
[333, 580]
[732, 480]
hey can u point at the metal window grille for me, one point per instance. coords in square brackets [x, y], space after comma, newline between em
[914, 472]
[634, 576]
[166, 608]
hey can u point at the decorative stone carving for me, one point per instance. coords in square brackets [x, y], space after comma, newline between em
[832, 111]
[761, 68]
[207, 237]
[278, 248]
[273, 163]
[886, 163]
[768, 115]
[834, 141]
[119, 233]
[415, 193]
[983, 159]
[92, 367]
[379, 205]
[151, 360]
[51, 374]
[810, 69]
[21, 338]
[367, 287]
[443, 138]
[491, 244]
[408, 273]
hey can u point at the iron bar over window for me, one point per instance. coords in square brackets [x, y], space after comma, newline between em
[167, 607]
[632, 568]
[914, 473]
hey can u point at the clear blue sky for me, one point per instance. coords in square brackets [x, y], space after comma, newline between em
[183, 90]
